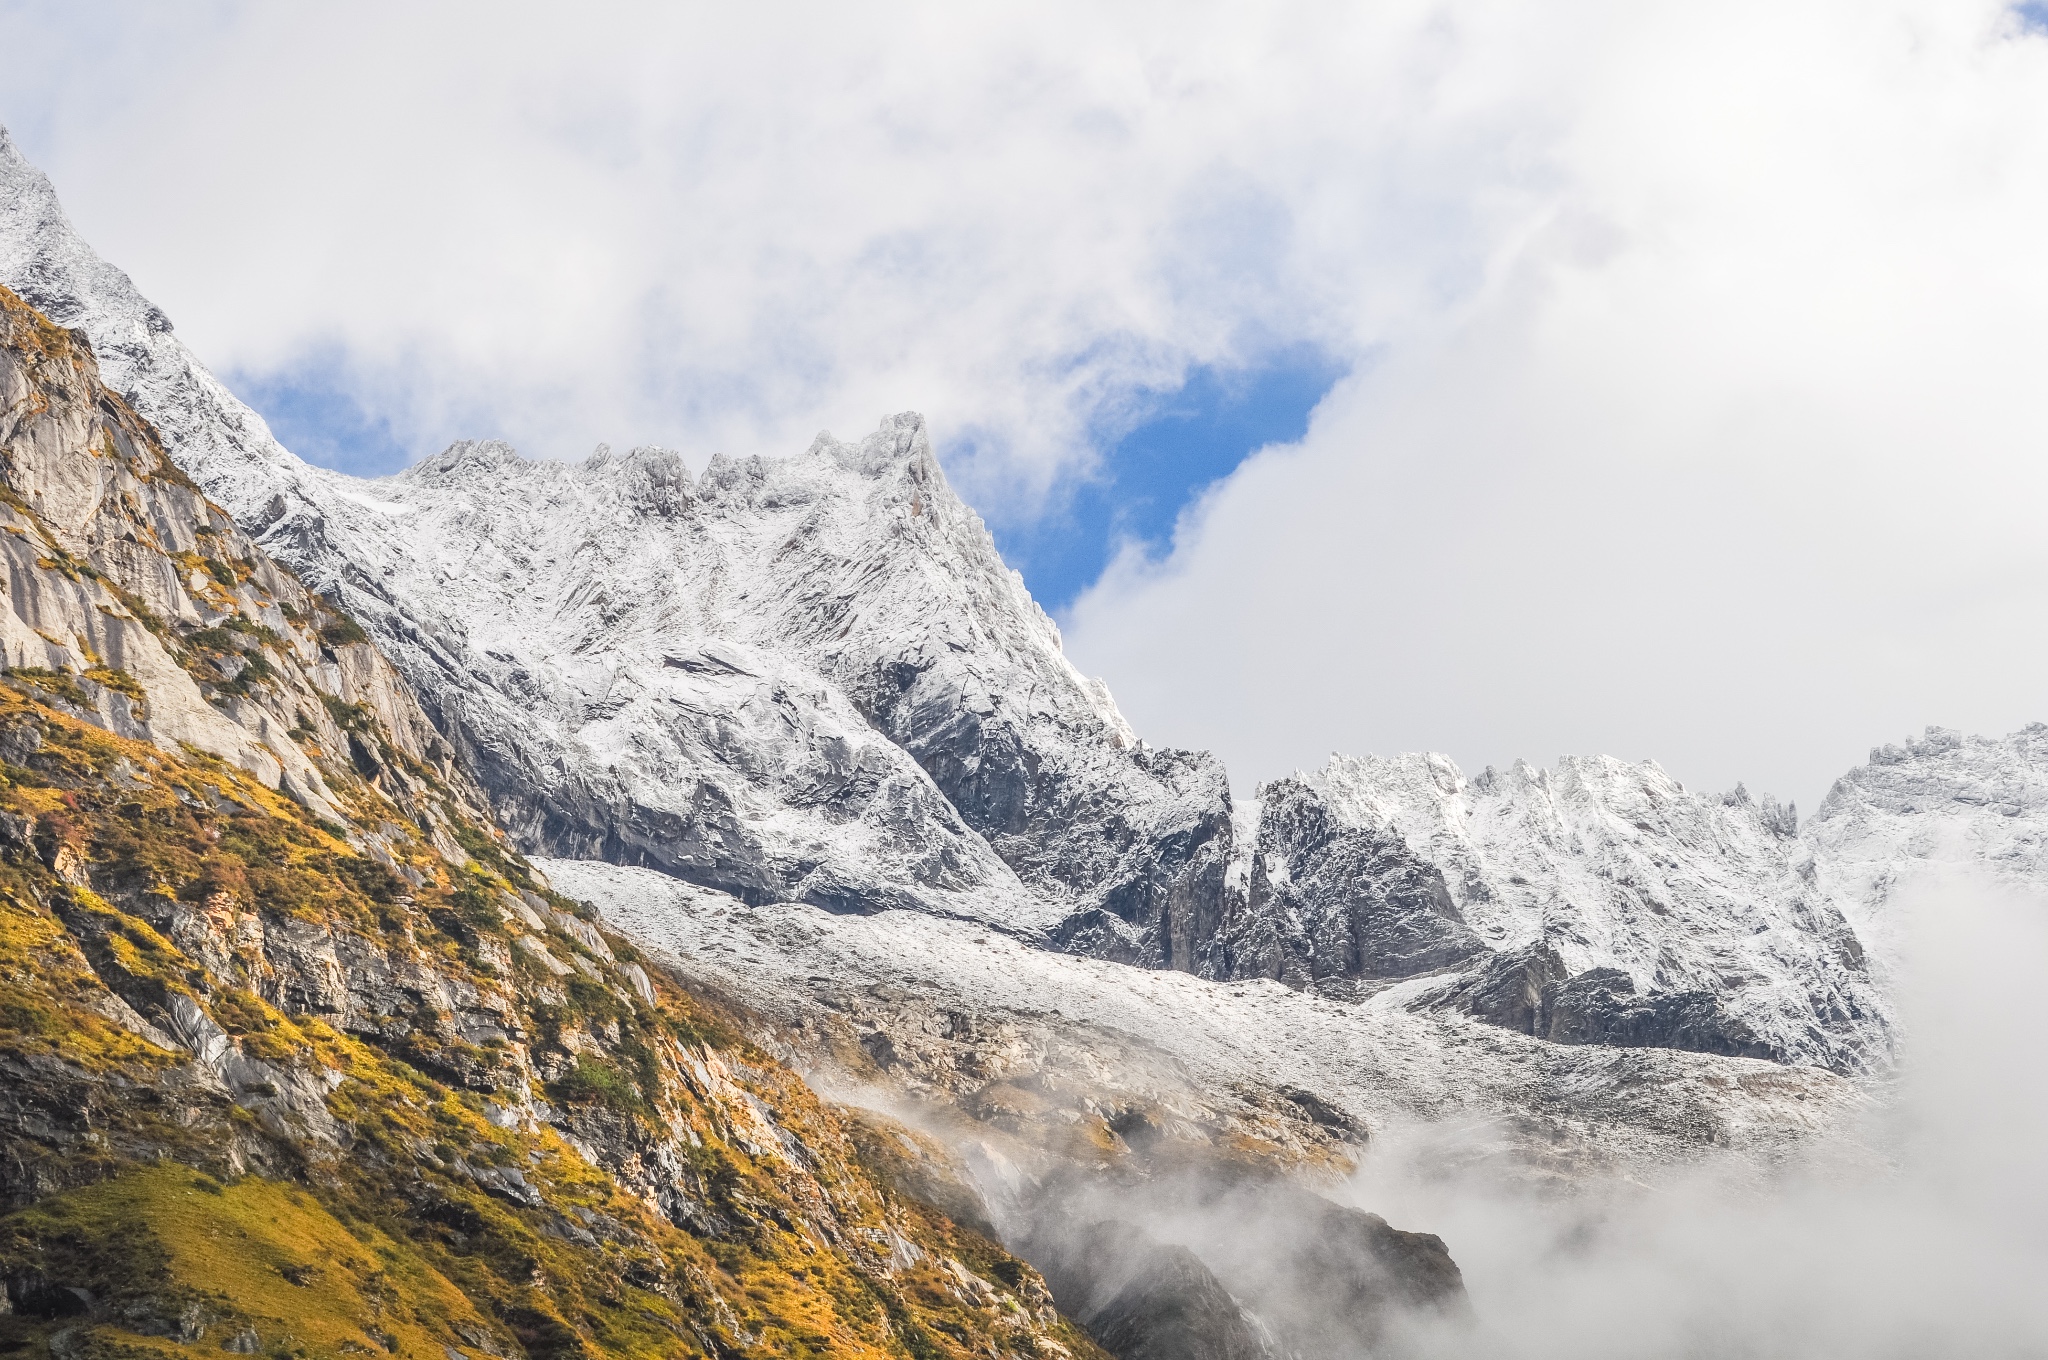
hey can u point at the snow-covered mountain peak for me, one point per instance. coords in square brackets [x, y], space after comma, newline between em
[905, 729]
[1933, 803]
[809, 678]
[814, 678]
[1595, 864]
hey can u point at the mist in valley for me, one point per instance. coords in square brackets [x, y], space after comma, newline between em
[1921, 1230]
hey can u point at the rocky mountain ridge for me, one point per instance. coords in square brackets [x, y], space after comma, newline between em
[1594, 902]
[297, 1058]
[813, 679]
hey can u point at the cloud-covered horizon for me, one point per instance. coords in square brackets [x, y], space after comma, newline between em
[1733, 460]
[1692, 353]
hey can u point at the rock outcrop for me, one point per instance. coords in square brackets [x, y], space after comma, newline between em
[1143, 1299]
[1599, 902]
[135, 602]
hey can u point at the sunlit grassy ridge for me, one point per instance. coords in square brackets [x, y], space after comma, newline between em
[397, 1235]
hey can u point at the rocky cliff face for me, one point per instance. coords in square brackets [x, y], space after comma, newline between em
[296, 1057]
[133, 601]
[1599, 902]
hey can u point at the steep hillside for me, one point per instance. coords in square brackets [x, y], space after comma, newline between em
[296, 1058]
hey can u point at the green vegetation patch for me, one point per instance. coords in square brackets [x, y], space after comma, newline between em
[168, 1256]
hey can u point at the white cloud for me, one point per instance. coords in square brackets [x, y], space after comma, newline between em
[718, 227]
[1734, 460]
[1915, 1232]
[1694, 412]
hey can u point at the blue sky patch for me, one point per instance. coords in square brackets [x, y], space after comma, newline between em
[313, 414]
[1181, 442]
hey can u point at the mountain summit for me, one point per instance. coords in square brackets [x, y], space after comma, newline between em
[813, 679]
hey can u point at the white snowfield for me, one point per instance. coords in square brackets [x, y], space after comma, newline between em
[1627, 1112]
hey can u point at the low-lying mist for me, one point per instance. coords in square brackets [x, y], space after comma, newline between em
[1923, 1232]
[1919, 1229]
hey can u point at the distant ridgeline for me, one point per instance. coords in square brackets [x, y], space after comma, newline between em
[813, 679]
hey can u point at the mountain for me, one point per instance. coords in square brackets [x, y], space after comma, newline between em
[312, 1061]
[809, 679]
[296, 1057]
[138, 606]
[812, 679]
[1940, 803]
[808, 784]
[1598, 902]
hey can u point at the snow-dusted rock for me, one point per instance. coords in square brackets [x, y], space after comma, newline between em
[219, 441]
[768, 681]
[1597, 902]
[1941, 801]
[860, 560]
[807, 678]
[968, 1015]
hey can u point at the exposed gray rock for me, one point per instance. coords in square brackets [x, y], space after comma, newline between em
[1328, 899]
[1140, 1298]
[1330, 1281]
[1597, 903]
[103, 609]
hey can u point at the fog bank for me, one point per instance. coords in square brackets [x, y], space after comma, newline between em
[1922, 1232]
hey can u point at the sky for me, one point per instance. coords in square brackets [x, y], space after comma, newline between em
[1649, 378]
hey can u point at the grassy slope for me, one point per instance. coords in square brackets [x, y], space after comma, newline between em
[383, 1245]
